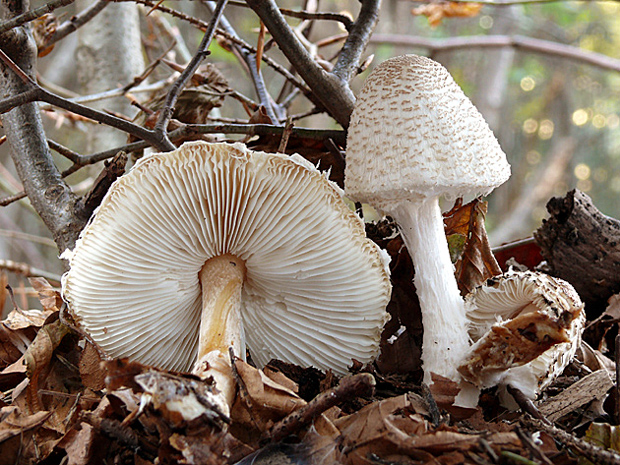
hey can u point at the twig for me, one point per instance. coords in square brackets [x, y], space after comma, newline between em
[110, 173]
[346, 20]
[349, 59]
[527, 441]
[233, 39]
[27, 237]
[33, 14]
[349, 387]
[526, 404]
[175, 90]
[37, 93]
[543, 47]
[288, 129]
[27, 271]
[333, 93]
[12, 198]
[589, 450]
[252, 67]
[77, 21]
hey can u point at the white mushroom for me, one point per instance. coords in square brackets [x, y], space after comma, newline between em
[212, 245]
[415, 136]
[527, 327]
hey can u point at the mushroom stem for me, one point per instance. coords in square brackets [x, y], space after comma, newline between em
[445, 340]
[222, 279]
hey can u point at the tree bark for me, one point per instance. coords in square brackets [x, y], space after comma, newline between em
[109, 54]
[48, 193]
[582, 246]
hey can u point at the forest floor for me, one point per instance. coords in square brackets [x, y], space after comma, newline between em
[64, 402]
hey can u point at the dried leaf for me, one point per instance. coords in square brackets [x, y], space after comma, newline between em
[43, 30]
[93, 376]
[50, 298]
[261, 403]
[436, 12]
[476, 262]
[22, 438]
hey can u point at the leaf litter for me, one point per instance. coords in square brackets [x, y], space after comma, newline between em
[63, 402]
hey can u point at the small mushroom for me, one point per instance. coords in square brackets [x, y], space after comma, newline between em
[527, 327]
[212, 245]
[415, 136]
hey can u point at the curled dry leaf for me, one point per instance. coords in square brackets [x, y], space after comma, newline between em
[50, 298]
[436, 12]
[469, 244]
[260, 403]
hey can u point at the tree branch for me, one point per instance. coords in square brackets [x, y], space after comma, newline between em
[177, 87]
[33, 14]
[275, 114]
[48, 193]
[77, 21]
[359, 35]
[334, 93]
[543, 47]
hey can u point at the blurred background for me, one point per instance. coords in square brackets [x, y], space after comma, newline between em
[546, 76]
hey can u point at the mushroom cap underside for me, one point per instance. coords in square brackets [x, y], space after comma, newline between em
[526, 326]
[316, 288]
[414, 132]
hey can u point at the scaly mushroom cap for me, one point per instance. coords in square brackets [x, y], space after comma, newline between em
[527, 327]
[415, 133]
[316, 288]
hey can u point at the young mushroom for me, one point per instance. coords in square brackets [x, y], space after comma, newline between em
[415, 136]
[212, 246]
[527, 327]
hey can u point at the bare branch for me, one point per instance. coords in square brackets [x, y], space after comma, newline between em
[359, 35]
[177, 87]
[28, 271]
[233, 39]
[33, 14]
[334, 93]
[33, 92]
[48, 193]
[346, 21]
[543, 47]
[77, 21]
[274, 112]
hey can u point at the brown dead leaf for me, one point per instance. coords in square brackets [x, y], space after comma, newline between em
[376, 429]
[475, 261]
[17, 435]
[44, 30]
[261, 402]
[436, 12]
[50, 298]
[93, 376]
[38, 357]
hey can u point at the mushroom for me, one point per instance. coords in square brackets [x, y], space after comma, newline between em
[527, 327]
[415, 136]
[212, 245]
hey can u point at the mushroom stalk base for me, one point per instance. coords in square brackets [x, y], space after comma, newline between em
[222, 280]
[445, 340]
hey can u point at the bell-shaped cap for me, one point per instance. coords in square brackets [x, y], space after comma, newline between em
[316, 288]
[414, 133]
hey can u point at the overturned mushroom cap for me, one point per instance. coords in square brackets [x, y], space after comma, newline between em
[527, 327]
[415, 133]
[316, 288]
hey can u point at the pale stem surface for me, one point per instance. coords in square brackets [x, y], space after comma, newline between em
[222, 280]
[445, 339]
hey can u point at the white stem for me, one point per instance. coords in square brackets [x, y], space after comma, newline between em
[445, 340]
[222, 280]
